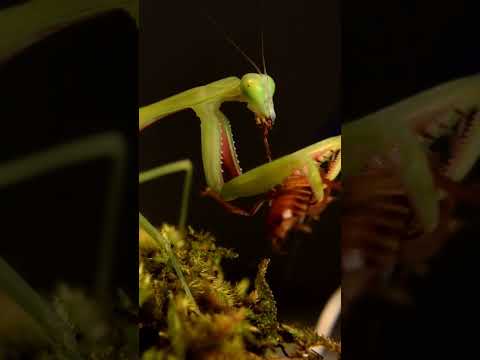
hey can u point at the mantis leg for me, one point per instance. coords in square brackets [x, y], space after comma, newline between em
[182, 165]
[162, 241]
[314, 178]
[217, 139]
[401, 148]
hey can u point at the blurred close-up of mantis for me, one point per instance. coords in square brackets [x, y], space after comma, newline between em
[408, 172]
[401, 136]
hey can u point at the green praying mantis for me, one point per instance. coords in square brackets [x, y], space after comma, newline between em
[224, 177]
[218, 149]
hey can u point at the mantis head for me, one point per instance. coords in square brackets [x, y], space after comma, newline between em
[258, 89]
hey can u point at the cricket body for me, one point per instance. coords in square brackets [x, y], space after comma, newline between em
[293, 204]
[402, 133]
[218, 148]
[296, 186]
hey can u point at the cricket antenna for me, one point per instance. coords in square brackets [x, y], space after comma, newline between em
[230, 40]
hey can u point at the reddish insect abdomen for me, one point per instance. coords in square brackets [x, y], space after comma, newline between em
[292, 207]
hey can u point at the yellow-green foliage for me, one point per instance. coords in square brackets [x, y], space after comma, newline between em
[232, 321]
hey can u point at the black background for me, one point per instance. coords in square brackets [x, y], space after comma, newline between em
[181, 49]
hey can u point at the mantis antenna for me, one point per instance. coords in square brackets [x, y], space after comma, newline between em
[263, 53]
[233, 43]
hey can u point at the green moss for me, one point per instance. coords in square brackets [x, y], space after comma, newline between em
[232, 320]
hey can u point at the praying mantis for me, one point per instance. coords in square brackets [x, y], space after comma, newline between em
[218, 149]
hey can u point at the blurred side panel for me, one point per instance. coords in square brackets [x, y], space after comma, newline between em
[404, 288]
[68, 170]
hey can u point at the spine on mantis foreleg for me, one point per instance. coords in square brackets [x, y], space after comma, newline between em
[466, 149]
[263, 178]
[211, 144]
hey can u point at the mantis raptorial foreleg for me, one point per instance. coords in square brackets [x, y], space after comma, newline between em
[402, 133]
[218, 148]
[296, 185]
[263, 178]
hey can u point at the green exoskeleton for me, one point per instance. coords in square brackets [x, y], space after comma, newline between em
[218, 147]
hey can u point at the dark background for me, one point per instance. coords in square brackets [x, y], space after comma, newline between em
[77, 82]
[180, 49]
[392, 50]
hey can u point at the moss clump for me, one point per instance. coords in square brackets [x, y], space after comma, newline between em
[226, 320]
